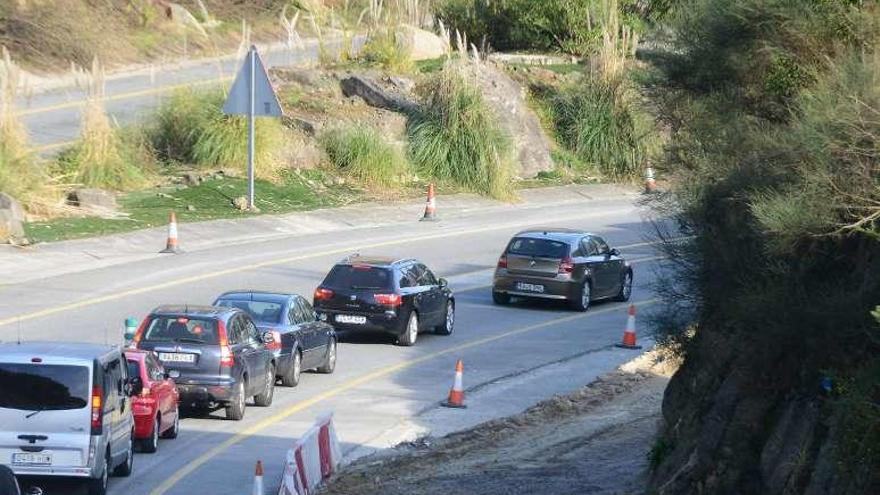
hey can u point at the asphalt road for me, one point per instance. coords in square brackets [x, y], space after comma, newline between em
[53, 116]
[377, 385]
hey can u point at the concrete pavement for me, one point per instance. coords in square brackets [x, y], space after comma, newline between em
[377, 387]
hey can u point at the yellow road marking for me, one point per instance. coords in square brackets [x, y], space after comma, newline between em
[125, 96]
[300, 406]
[205, 276]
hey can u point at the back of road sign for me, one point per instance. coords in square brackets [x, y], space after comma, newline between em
[265, 100]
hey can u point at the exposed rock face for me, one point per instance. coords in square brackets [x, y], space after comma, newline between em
[507, 100]
[94, 200]
[11, 220]
[375, 95]
[422, 45]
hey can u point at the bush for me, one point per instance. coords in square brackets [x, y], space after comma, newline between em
[191, 128]
[456, 137]
[382, 49]
[361, 153]
[598, 121]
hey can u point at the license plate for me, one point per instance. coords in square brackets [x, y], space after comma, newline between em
[176, 357]
[352, 320]
[32, 458]
[522, 286]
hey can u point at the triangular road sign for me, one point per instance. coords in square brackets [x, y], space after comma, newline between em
[265, 100]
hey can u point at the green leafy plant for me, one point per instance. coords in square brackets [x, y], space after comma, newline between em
[362, 153]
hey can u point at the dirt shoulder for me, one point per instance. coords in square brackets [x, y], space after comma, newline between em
[595, 440]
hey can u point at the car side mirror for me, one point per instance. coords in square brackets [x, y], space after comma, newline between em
[614, 252]
[134, 386]
[443, 283]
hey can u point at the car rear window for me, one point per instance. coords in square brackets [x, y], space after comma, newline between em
[358, 277]
[267, 312]
[182, 329]
[36, 387]
[539, 248]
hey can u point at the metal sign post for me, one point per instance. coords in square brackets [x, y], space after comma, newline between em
[252, 95]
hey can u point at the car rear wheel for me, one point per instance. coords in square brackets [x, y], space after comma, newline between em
[235, 409]
[291, 379]
[264, 398]
[626, 288]
[150, 445]
[98, 486]
[175, 428]
[500, 298]
[410, 332]
[448, 325]
[582, 302]
[330, 361]
[124, 469]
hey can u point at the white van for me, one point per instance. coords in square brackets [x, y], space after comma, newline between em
[65, 411]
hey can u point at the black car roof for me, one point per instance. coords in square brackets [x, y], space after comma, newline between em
[556, 234]
[194, 311]
[255, 295]
[377, 261]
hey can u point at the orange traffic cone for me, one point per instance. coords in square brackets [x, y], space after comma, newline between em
[629, 334]
[650, 183]
[172, 246]
[431, 206]
[456, 394]
[258, 479]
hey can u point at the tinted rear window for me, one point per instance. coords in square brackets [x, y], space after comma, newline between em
[268, 312]
[37, 387]
[358, 277]
[539, 248]
[182, 329]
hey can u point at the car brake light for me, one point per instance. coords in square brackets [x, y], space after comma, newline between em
[322, 294]
[139, 333]
[393, 300]
[276, 341]
[97, 410]
[566, 265]
[226, 357]
[502, 261]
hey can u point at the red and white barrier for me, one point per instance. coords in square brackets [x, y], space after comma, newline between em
[313, 458]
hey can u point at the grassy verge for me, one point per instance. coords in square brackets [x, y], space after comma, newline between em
[210, 200]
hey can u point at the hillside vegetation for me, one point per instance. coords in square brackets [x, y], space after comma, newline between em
[773, 111]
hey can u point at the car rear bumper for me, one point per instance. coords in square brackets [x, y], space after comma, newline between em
[201, 393]
[387, 322]
[563, 287]
[60, 472]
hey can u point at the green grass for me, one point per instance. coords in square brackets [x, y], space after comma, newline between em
[431, 66]
[383, 50]
[212, 200]
[361, 153]
[456, 138]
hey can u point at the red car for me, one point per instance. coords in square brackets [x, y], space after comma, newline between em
[156, 412]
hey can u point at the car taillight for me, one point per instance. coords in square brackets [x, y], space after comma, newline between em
[322, 294]
[393, 300]
[502, 261]
[139, 333]
[566, 265]
[97, 410]
[276, 341]
[145, 392]
[226, 357]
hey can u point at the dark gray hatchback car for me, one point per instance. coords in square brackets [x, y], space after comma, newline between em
[562, 264]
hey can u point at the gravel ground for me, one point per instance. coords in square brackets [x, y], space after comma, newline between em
[594, 441]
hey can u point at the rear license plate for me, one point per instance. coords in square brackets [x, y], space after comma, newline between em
[522, 286]
[32, 458]
[351, 320]
[176, 357]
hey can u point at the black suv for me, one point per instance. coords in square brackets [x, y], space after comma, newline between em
[216, 356]
[397, 296]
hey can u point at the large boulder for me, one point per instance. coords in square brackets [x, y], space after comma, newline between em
[94, 200]
[11, 220]
[421, 44]
[508, 100]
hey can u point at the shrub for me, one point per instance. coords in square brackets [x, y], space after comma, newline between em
[361, 153]
[191, 128]
[382, 49]
[598, 121]
[456, 137]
